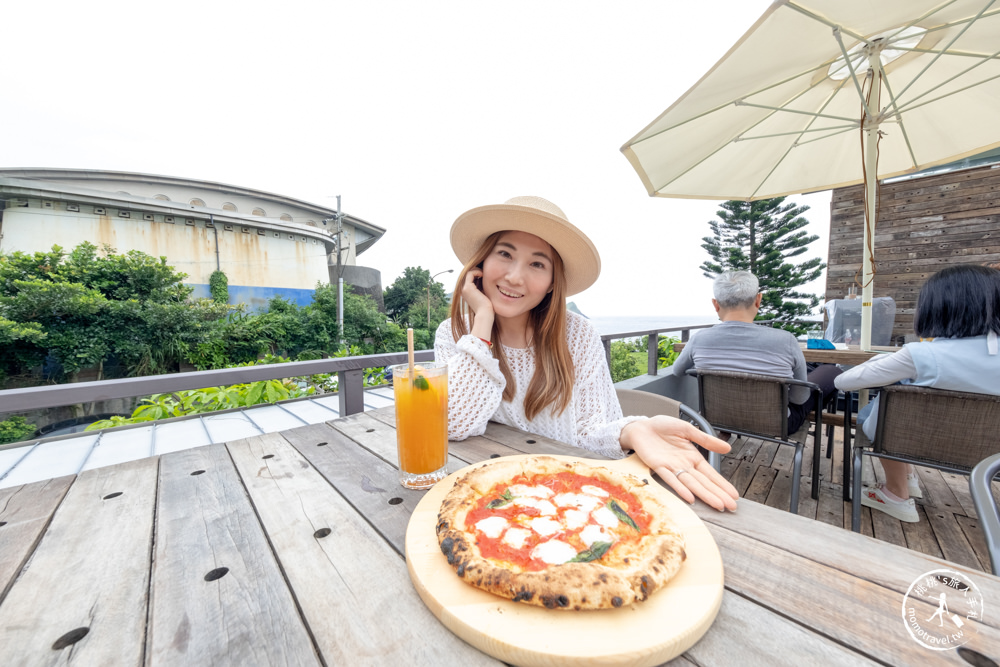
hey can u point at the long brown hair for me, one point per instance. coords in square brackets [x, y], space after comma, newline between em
[552, 382]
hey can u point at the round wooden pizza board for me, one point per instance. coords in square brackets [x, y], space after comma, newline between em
[646, 633]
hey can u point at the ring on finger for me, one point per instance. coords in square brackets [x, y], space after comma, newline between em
[681, 472]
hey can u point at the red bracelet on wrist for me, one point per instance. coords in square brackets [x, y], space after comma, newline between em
[488, 343]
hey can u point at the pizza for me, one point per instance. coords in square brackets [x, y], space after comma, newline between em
[559, 534]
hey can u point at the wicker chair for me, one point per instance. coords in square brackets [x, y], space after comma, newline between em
[647, 404]
[986, 505]
[936, 428]
[757, 406]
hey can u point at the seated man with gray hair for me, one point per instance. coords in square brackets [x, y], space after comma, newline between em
[737, 344]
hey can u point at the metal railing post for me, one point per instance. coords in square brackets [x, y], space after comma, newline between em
[350, 390]
[653, 348]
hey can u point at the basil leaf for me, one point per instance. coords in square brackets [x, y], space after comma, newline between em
[622, 514]
[596, 550]
[420, 382]
[503, 500]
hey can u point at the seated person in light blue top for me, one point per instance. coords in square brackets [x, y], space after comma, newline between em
[737, 344]
[957, 318]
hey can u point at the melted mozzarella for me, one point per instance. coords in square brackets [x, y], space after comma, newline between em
[516, 537]
[533, 491]
[553, 552]
[593, 533]
[544, 507]
[492, 527]
[594, 491]
[605, 517]
[576, 518]
[578, 500]
[545, 526]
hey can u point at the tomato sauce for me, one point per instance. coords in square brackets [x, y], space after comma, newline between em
[518, 516]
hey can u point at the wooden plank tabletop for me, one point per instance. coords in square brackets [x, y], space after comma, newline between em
[289, 548]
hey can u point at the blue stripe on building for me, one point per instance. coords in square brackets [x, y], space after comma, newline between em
[256, 298]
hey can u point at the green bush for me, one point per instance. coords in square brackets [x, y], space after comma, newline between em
[666, 354]
[15, 429]
[623, 364]
[211, 399]
[218, 283]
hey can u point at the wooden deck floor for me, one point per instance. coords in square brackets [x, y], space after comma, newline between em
[948, 526]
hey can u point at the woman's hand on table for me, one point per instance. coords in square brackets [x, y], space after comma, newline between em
[667, 446]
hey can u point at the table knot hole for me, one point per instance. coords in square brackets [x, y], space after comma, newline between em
[3, 523]
[70, 638]
[112, 495]
[395, 501]
[321, 533]
[975, 657]
[268, 456]
[530, 442]
[217, 573]
[494, 456]
[198, 472]
[371, 430]
[321, 444]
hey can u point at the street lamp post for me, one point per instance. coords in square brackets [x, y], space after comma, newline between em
[429, 296]
[338, 241]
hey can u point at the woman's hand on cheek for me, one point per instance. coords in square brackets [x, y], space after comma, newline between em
[474, 297]
[667, 446]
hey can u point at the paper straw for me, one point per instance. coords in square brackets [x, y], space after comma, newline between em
[409, 350]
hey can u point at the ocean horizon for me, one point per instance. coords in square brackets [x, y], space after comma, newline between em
[611, 324]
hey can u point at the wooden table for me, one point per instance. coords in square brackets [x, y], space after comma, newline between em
[852, 356]
[288, 548]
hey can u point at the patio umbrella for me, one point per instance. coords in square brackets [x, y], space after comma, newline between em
[820, 94]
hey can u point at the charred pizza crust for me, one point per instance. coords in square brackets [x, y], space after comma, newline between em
[621, 577]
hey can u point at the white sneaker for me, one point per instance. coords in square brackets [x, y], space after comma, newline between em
[875, 498]
[868, 479]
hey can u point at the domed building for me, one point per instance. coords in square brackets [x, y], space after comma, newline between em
[267, 244]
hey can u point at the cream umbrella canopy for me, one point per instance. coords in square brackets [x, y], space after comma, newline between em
[820, 94]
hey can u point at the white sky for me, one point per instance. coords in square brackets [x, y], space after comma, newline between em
[413, 111]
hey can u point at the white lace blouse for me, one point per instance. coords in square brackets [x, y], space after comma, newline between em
[592, 421]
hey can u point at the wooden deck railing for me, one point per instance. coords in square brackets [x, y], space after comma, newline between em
[350, 371]
[654, 338]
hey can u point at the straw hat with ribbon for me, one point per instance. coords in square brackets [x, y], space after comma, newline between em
[537, 216]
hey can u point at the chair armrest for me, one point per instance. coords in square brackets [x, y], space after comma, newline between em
[986, 508]
[714, 458]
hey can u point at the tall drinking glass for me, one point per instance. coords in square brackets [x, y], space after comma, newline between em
[421, 423]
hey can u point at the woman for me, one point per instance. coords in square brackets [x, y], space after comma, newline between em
[517, 356]
[957, 319]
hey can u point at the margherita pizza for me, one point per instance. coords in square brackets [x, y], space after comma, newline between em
[559, 534]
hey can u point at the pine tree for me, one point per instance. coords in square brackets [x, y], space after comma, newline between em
[762, 237]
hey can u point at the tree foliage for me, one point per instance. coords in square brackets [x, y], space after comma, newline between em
[131, 313]
[763, 237]
[406, 300]
[364, 323]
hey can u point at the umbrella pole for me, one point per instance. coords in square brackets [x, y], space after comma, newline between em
[871, 207]
[868, 238]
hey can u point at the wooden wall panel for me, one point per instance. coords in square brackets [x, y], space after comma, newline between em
[924, 225]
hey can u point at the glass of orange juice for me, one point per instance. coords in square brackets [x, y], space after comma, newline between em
[421, 423]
